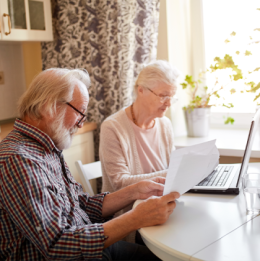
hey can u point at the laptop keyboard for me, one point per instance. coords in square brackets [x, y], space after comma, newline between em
[218, 177]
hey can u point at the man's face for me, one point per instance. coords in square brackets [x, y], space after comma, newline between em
[66, 124]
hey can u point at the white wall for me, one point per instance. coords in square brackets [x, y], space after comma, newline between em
[180, 41]
[175, 50]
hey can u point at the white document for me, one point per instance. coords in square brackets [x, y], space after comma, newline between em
[188, 166]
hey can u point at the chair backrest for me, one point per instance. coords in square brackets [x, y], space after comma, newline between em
[87, 172]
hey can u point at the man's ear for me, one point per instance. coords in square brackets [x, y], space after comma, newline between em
[45, 113]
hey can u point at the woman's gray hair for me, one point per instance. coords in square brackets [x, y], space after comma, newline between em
[50, 87]
[157, 72]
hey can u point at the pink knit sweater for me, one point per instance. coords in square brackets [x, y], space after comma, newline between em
[119, 157]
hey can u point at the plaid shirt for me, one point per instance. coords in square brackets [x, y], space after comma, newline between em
[44, 213]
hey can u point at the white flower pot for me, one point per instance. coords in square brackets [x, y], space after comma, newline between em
[197, 122]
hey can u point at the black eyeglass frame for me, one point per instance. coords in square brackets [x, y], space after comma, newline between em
[82, 120]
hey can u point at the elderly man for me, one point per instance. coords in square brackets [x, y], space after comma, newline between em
[44, 214]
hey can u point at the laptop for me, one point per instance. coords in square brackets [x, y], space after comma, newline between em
[225, 178]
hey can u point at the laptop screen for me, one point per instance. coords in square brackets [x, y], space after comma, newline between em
[249, 144]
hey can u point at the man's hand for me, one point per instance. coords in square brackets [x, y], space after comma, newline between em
[150, 187]
[155, 210]
[142, 190]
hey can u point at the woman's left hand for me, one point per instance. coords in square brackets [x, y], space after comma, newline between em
[158, 179]
[150, 187]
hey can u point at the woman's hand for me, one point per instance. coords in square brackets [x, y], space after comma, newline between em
[150, 187]
[158, 179]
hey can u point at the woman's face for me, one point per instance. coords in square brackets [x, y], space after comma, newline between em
[153, 98]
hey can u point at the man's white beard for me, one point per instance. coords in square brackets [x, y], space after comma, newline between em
[61, 136]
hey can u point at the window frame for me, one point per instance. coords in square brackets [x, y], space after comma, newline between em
[186, 50]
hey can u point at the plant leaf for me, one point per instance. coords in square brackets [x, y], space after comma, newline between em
[251, 84]
[184, 85]
[188, 78]
[255, 88]
[229, 120]
[216, 94]
[227, 62]
[229, 105]
[256, 97]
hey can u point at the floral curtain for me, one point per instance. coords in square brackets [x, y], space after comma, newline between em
[112, 39]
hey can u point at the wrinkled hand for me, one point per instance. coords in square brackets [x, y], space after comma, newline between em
[158, 179]
[155, 210]
[150, 187]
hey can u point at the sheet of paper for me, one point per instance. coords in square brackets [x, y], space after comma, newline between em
[188, 166]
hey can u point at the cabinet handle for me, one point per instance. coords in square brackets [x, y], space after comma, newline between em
[9, 23]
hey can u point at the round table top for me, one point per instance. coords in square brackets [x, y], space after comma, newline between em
[198, 221]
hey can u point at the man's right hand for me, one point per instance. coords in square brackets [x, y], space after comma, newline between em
[154, 210]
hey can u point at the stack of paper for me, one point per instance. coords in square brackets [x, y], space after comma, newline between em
[190, 165]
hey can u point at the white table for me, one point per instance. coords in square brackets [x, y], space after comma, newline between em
[207, 227]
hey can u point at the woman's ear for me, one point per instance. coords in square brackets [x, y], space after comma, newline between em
[140, 89]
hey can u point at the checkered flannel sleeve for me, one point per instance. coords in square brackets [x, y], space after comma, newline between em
[36, 214]
[93, 206]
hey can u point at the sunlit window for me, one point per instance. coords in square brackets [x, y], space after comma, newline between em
[232, 27]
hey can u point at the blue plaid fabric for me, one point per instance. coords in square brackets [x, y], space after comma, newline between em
[44, 213]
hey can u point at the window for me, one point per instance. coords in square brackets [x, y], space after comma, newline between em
[196, 34]
[229, 28]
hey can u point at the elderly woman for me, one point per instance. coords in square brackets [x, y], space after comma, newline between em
[136, 142]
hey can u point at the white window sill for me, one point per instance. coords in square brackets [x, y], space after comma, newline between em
[230, 142]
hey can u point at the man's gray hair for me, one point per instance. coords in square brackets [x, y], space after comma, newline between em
[157, 72]
[50, 87]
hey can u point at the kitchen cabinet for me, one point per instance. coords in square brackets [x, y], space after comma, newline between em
[25, 20]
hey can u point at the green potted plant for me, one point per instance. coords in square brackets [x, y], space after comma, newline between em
[197, 112]
[203, 98]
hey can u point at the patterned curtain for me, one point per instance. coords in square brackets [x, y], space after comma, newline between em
[112, 39]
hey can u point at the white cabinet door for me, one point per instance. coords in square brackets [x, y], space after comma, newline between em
[82, 148]
[26, 20]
